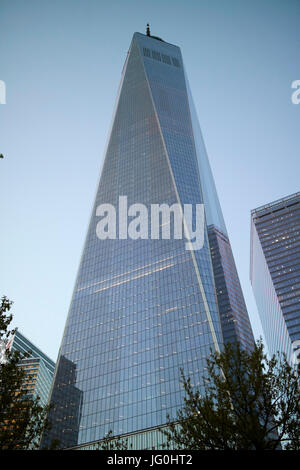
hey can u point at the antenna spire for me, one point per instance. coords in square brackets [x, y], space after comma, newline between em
[148, 30]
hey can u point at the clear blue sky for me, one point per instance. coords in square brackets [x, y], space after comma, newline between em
[61, 61]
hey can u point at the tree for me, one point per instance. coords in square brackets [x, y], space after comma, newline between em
[22, 417]
[111, 442]
[249, 402]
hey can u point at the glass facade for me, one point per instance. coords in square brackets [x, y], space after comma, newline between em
[141, 308]
[234, 317]
[22, 344]
[275, 272]
[38, 379]
[39, 367]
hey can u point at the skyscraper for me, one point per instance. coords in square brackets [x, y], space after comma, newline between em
[145, 306]
[19, 342]
[38, 368]
[275, 272]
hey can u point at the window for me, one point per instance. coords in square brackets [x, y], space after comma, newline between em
[146, 52]
[156, 55]
[166, 59]
[175, 62]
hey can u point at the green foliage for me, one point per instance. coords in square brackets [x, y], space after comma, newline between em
[111, 442]
[248, 402]
[22, 417]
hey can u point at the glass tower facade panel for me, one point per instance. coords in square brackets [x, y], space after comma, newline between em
[166, 78]
[275, 259]
[213, 211]
[233, 311]
[235, 323]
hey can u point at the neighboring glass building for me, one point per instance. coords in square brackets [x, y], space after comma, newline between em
[144, 308]
[275, 273]
[39, 367]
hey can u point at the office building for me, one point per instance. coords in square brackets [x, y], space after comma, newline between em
[39, 367]
[275, 273]
[145, 305]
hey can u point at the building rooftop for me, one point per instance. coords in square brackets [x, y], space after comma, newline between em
[21, 343]
[281, 201]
